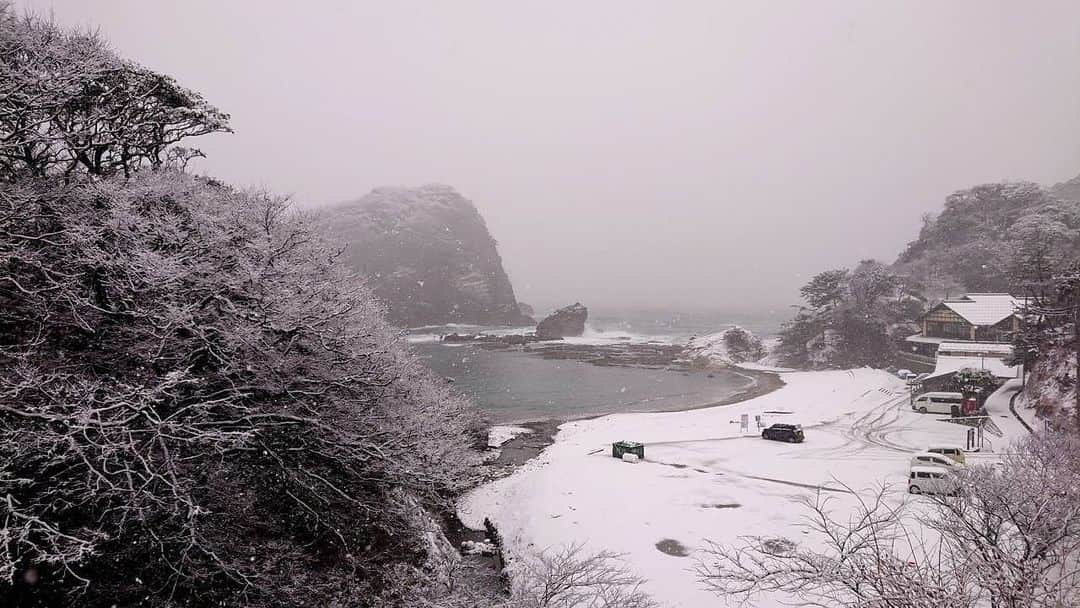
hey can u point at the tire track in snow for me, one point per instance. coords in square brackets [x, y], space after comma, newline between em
[876, 432]
[734, 473]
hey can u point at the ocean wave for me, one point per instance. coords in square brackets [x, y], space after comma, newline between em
[594, 336]
[422, 338]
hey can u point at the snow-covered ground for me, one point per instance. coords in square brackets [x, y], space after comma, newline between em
[703, 478]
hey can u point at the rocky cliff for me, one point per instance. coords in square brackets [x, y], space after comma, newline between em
[428, 255]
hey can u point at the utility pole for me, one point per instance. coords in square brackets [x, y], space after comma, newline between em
[1076, 352]
[1023, 363]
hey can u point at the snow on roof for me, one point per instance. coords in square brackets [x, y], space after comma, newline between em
[989, 348]
[984, 308]
[925, 340]
[948, 365]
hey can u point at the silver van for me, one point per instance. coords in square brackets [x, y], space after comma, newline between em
[953, 452]
[931, 480]
[938, 403]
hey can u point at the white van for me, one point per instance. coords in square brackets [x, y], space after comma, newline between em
[930, 480]
[928, 459]
[938, 403]
[952, 452]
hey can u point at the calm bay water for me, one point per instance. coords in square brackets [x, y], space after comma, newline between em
[512, 386]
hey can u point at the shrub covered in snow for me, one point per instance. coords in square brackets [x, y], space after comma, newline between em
[197, 398]
[731, 346]
[1051, 385]
[1047, 342]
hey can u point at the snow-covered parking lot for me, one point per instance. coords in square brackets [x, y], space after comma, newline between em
[703, 479]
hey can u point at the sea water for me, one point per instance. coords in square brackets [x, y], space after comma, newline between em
[515, 386]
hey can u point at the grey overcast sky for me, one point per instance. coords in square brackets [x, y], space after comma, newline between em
[697, 155]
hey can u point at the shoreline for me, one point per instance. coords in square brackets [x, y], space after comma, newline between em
[705, 479]
[523, 448]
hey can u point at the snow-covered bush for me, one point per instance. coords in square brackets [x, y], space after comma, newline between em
[971, 380]
[742, 345]
[564, 577]
[1046, 344]
[1051, 385]
[196, 397]
[731, 346]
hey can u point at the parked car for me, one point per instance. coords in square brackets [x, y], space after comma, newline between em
[938, 403]
[931, 480]
[791, 433]
[903, 374]
[916, 378]
[927, 459]
[952, 452]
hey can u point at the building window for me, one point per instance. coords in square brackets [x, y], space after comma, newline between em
[937, 329]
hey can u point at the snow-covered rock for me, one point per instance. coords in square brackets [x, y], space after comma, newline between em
[499, 435]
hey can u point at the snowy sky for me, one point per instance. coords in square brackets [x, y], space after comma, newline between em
[696, 155]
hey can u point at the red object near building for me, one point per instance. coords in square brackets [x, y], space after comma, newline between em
[971, 405]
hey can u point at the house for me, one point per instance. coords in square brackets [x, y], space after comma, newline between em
[977, 317]
[983, 322]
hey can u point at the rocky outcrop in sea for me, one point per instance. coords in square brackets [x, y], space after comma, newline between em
[567, 321]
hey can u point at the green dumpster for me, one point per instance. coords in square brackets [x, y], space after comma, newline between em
[628, 447]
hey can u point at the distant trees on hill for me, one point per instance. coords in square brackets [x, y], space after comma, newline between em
[975, 242]
[1003, 237]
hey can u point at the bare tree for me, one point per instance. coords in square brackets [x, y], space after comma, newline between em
[566, 577]
[570, 578]
[1009, 538]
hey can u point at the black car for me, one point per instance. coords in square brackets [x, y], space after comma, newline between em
[792, 433]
